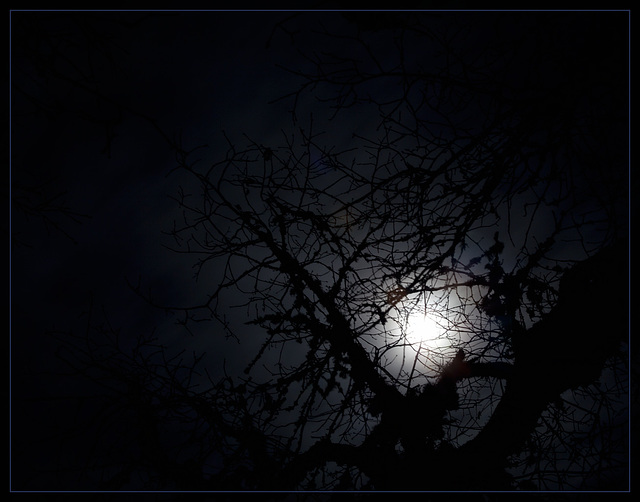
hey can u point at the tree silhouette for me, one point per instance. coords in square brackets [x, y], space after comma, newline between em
[491, 194]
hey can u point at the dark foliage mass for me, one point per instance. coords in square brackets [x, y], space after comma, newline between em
[471, 167]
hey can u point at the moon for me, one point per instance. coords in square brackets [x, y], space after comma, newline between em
[422, 327]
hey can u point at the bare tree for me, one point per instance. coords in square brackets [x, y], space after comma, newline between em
[490, 198]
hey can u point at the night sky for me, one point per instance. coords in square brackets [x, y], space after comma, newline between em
[196, 75]
[98, 99]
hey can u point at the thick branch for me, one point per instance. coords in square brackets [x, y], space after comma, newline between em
[566, 350]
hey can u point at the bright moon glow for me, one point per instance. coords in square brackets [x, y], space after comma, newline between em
[421, 327]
